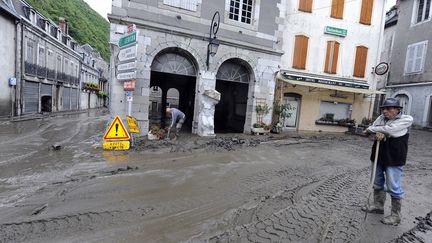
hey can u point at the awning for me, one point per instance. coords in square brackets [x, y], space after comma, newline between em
[317, 83]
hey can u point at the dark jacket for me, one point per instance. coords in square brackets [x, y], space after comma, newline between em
[392, 151]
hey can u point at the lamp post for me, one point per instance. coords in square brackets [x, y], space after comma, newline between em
[213, 44]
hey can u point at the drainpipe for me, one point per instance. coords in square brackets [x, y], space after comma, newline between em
[16, 93]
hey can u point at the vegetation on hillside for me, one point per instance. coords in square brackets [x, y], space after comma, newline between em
[85, 24]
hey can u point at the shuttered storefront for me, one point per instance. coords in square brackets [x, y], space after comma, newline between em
[66, 95]
[46, 90]
[31, 97]
[74, 99]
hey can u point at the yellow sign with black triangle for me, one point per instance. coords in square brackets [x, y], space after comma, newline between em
[116, 131]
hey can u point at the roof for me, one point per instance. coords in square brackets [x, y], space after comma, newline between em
[8, 7]
[391, 17]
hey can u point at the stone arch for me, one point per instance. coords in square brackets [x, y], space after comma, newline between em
[410, 99]
[248, 62]
[172, 45]
[176, 61]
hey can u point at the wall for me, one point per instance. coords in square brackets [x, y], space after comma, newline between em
[7, 65]
[406, 35]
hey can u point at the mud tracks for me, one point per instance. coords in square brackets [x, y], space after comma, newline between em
[314, 210]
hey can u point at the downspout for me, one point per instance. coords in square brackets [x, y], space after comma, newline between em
[19, 47]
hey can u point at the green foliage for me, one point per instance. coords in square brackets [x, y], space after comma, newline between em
[262, 109]
[85, 25]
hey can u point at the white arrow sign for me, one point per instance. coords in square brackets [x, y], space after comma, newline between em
[126, 66]
[128, 53]
[126, 76]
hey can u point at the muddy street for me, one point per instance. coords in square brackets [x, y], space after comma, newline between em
[58, 185]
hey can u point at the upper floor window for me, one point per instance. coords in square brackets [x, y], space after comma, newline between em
[184, 4]
[41, 56]
[300, 51]
[422, 10]
[305, 6]
[30, 51]
[360, 61]
[415, 57]
[241, 10]
[331, 57]
[366, 12]
[337, 9]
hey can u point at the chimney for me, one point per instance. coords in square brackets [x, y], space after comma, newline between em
[63, 25]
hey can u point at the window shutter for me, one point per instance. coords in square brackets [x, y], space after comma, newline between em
[300, 51]
[410, 59]
[360, 61]
[337, 9]
[305, 5]
[418, 61]
[366, 12]
[331, 57]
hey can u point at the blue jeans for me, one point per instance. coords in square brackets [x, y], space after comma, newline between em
[389, 179]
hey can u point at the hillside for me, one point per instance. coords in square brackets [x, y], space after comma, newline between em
[85, 24]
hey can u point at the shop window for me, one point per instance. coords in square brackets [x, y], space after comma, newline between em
[415, 57]
[241, 10]
[300, 51]
[331, 57]
[422, 10]
[305, 6]
[360, 61]
[335, 113]
[366, 12]
[337, 9]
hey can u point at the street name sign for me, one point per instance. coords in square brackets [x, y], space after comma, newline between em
[116, 131]
[126, 66]
[118, 145]
[128, 39]
[128, 53]
[335, 31]
[133, 124]
[126, 76]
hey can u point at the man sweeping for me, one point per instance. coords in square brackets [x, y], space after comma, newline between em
[391, 129]
[177, 119]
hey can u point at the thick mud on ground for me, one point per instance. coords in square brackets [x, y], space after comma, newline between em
[58, 185]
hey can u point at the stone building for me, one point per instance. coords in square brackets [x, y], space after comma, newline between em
[331, 48]
[217, 92]
[8, 47]
[410, 78]
[45, 64]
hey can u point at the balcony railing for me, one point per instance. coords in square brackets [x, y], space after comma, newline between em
[51, 74]
[41, 71]
[30, 68]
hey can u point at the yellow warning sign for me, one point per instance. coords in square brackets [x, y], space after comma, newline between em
[133, 124]
[116, 131]
[120, 145]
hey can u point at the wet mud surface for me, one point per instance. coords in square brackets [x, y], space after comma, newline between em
[58, 185]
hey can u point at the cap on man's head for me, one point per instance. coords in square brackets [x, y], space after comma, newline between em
[391, 102]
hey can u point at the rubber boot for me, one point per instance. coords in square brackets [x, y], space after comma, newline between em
[377, 206]
[395, 217]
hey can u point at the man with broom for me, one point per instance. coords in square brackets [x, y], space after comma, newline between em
[391, 134]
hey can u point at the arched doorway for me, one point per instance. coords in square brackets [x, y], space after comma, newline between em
[174, 71]
[404, 102]
[292, 102]
[232, 81]
[155, 105]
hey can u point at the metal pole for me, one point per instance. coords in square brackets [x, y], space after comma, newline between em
[129, 108]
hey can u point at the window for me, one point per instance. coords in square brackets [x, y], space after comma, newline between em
[331, 57]
[59, 64]
[241, 10]
[360, 61]
[51, 61]
[337, 9]
[366, 12]
[335, 110]
[184, 4]
[300, 51]
[305, 6]
[66, 66]
[415, 57]
[30, 52]
[422, 10]
[41, 56]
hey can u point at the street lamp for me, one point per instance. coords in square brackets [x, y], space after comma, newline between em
[213, 44]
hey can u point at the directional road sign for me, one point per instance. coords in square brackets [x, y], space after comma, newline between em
[128, 39]
[126, 76]
[128, 53]
[126, 66]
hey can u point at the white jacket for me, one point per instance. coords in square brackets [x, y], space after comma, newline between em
[395, 127]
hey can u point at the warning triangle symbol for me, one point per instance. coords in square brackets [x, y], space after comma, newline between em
[116, 131]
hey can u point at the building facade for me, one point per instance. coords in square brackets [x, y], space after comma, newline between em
[47, 63]
[217, 93]
[8, 48]
[331, 47]
[410, 78]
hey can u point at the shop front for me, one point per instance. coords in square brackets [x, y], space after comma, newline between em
[321, 103]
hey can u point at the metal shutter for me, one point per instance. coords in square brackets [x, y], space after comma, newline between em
[74, 99]
[31, 97]
[66, 98]
[46, 89]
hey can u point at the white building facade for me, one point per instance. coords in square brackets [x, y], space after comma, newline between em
[331, 48]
